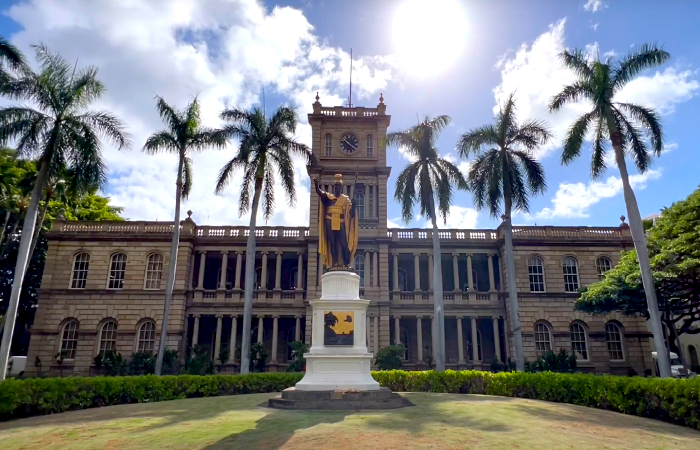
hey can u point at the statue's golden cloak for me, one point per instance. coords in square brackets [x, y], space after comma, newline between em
[342, 205]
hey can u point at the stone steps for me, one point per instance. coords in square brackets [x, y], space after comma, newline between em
[293, 399]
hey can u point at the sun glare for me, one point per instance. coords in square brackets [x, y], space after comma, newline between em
[429, 35]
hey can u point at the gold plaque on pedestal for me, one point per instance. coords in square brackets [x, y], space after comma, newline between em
[339, 328]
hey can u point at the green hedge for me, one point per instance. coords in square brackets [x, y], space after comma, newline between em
[676, 401]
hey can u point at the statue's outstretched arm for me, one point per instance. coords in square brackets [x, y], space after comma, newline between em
[317, 187]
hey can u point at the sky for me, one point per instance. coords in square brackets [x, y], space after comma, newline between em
[461, 58]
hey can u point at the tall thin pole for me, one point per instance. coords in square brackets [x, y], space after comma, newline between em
[350, 99]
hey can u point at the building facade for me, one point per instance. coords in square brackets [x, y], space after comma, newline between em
[103, 284]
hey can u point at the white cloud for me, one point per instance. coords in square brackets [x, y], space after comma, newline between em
[225, 51]
[669, 147]
[662, 90]
[460, 217]
[573, 200]
[396, 222]
[594, 5]
[595, 26]
[405, 155]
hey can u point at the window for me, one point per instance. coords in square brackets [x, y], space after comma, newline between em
[360, 268]
[613, 337]
[570, 269]
[291, 333]
[117, 269]
[402, 280]
[370, 145]
[360, 204]
[535, 268]
[81, 262]
[329, 145]
[470, 348]
[404, 342]
[147, 337]
[579, 342]
[603, 264]
[69, 338]
[154, 270]
[108, 337]
[543, 338]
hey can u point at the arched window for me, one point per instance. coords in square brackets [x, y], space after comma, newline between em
[258, 275]
[290, 339]
[360, 268]
[146, 337]
[613, 337]
[693, 355]
[579, 341]
[404, 342]
[470, 350]
[360, 204]
[543, 338]
[81, 262]
[535, 269]
[117, 269]
[570, 270]
[108, 337]
[402, 280]
[329, 145]
[154, 270]
[603, 264]
[293, 278]
[370, 145]
[69, 338]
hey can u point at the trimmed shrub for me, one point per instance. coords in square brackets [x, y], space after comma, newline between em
[670, 400]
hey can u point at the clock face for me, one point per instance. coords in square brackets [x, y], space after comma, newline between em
[349, 144]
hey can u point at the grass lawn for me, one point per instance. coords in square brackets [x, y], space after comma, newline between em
[443, 421]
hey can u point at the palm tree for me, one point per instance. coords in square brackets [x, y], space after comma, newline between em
[184, 134]
[427, 179]
[10, 58]
[265, 150]
[60, 131]
[505, 171]
[625, 126]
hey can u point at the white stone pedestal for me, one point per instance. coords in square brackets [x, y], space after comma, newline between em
[345, 367]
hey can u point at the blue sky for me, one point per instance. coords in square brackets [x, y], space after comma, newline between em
[227, 51]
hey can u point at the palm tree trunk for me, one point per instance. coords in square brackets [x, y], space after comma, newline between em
[513, 290]
[21, 266]
[37, 229]
[4, 225]
[438, 309]
[249, 280]
[172, 267]
[640, 244]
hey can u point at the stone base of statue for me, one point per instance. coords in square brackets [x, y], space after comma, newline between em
[338, 374]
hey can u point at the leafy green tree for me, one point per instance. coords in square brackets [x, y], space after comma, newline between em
[184, 135]
[390, 357]
[427, 179]
[60, 131]
[624, 125]
[265, 151]
[505, 172]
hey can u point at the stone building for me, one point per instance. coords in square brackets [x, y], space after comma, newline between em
[103, 285]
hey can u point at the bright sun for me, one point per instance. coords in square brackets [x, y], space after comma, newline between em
[429, 35]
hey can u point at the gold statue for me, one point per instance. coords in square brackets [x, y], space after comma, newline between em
[337, 226]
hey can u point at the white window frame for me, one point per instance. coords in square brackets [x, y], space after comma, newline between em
[603, 264]
[615, 330]
[571, 278]
[370, 146]
[578, 337]
[113, 282]
[359, 265]
[360, 204]
[534, 275]
[69, 336]
[107, 335]
[540, 344]
[78, 271]
[329, 145]
[149, 279]
[146, 337]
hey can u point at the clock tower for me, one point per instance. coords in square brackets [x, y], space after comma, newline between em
[351, 141]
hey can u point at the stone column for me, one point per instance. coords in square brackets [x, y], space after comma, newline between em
[497, 338]
[260, 329]
[232, 340]
[275, 329]
[239, 263]
[455, 272]
[416, 270]
[375, 268]
[202, 264]
[396, 271]
[195, 331]
[368, 269]
[297, 328]
[300, 271]
[460, 340]
[263, 272]
[419, 337]
[368, 334]
[397, 330]
[470, 275]
[430, 271]
[376, 201]
[492, 283]
[376, 333]
[224, 268]
[475, 341]
[217, 340]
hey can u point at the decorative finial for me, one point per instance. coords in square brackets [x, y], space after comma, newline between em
[189, 214]
[317, 97]
[381, 97]
[338, 178]
[622, 219]
[623, 224]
